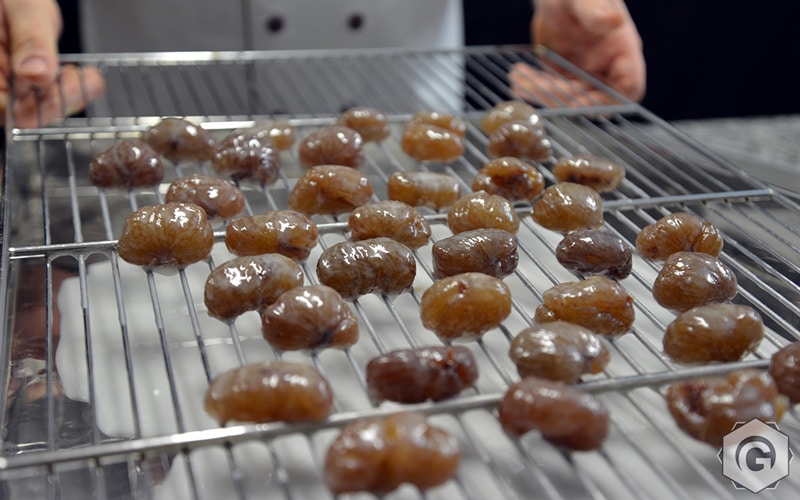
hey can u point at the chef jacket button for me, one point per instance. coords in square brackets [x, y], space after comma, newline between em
[355, 22]
[274, 24]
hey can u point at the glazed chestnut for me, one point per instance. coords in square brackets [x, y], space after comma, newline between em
[219, 198]
[597, 303]
[269, 392]
[280, 132]
[421, 374]
[678, 232]
[566, 416]
[785, 369]
[285, 232]
[558, 350]
[691, 279]
[334, 145]
[425, 142]
[482, 210]
[509, 111]
[509, 177]
[465, 306]
[439, 119]
[567, 206]
[520, 139]
[714, 332]
[309, 317]
[127, 164]
[249, 283]
[247, 155]
[392, 219]
[179, 140]
[424, 189]
[377, 455]
[708, 408]
[490, 251]
[600, 174]
[377, 265]
[595, 252]
[370, 123]
[330, 189]
[170, 234]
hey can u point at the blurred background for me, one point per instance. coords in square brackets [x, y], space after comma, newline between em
[705, 59]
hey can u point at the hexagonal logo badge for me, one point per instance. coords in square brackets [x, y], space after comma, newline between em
[755, 456]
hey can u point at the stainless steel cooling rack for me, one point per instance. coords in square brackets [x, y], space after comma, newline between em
[104, 365]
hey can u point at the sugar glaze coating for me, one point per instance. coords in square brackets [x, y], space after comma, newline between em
[249, 283]
[377, 455]
[421, 374]
[127, 164]
[169, 234]
[269, 392]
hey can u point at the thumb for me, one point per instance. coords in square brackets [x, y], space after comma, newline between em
[598, 16]
[34, 27]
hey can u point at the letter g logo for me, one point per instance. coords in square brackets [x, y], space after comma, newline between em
[756, 450]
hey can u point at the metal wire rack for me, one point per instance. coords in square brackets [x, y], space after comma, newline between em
[104, 365]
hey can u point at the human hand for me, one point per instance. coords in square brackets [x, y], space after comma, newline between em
[43, 90]
[598, 36]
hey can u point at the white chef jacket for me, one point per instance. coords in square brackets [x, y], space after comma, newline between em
[177, 25]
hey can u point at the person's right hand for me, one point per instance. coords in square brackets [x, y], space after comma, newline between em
[43, 90]
[598, 36]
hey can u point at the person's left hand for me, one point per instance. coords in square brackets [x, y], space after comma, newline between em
[598, 36]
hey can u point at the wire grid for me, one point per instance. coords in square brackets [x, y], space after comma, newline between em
[105, 401]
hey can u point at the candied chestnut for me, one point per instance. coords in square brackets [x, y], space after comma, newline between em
[678, 232]
[558, 350]
[127, 164]
[330, 189]
[334, 145]
[309, 317]
[249, 283]
[595, 252]
[565, 416]
[691, 279]
[784, 367]
[217, 197]
[567, 206]
[510, 178]
[708, 408]
[510, 111]
[597, 303]
[370, 123]
[520, 139]
[424, 189]
[170, 234]
[269, 392]
[600, 174]
[490, 251]
[714, 332]
[421, 374]
[285, 232]
[377, 265]
[393, 219]
[246, 154]
[178, 140]
[280, 132]
[377, 455]
[465, 306]
[425, 142]
[438, 119]
[482, 210]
